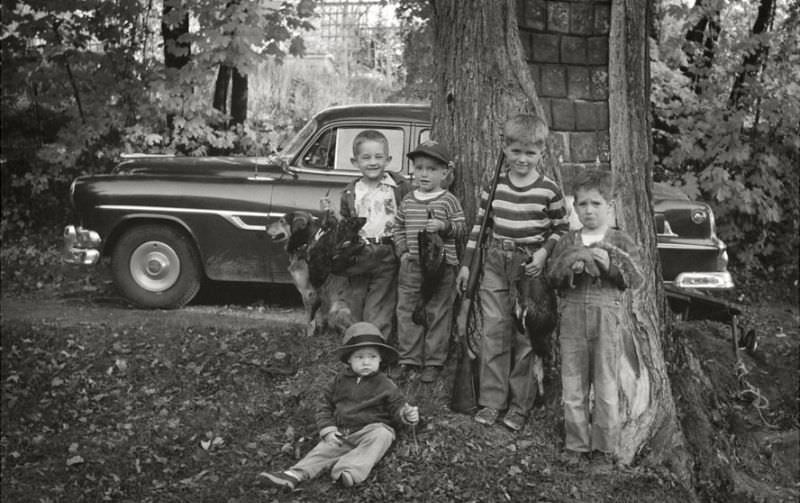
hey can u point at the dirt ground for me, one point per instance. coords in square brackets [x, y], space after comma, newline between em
[105, 402]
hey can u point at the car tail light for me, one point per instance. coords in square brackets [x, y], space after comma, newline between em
[701, 280]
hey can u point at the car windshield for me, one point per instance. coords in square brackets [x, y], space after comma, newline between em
[292, 147]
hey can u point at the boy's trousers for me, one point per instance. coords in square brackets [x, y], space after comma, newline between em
[415, 345]
[590, 353]
[506, 356]
[373, 295]
[372, 441]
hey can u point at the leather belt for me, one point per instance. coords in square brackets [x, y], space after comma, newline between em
[510, 245]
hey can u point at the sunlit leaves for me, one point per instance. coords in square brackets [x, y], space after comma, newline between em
[741, 161]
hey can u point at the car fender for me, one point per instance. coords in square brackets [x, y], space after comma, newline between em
[128, 221]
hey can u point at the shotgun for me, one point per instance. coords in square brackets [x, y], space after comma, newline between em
[464, 397]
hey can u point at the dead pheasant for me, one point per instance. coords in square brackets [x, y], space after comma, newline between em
[535, 314]
[432, 264]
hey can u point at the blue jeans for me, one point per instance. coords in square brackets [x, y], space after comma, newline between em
[506, 357]
[371, 443]
[416, 346]
[373, 295]
[591, 345]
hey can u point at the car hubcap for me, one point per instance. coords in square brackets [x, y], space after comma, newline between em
[155, 266]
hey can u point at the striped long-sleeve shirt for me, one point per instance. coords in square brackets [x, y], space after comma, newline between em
[413, 214]
[534, 214]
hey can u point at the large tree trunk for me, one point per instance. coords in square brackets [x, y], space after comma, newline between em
[481, 79]
[754, 60]
[649, 409]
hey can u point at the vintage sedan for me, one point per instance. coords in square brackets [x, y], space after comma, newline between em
[168, 223]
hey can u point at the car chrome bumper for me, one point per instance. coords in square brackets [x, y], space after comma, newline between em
[704, 280]
[81, 246]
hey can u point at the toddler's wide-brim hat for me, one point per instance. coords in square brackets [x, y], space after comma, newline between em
[434, 150]
[363, 335]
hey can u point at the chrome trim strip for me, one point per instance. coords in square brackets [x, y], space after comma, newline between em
[685, 246]
[234, 217]
[354, 173]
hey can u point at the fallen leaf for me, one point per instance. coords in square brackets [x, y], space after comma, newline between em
[205, 444]
[74, 460]
[57, 381]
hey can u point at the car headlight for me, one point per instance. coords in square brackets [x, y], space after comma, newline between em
[699, 216]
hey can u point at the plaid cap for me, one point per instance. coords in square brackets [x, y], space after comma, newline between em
[434, 150]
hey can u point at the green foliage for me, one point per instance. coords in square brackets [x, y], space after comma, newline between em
[742, 159]
[83, 81]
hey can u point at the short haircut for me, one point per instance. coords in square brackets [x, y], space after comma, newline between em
[597, 179]
[370, 135]
[525, 127]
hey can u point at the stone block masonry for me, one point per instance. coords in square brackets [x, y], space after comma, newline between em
[566, 44]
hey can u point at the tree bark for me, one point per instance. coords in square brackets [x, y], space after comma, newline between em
[177, 52]
[480, 80]
[229, 77]
[648, 407]
[754, 60]
[703, 37]
[239, 97]
[220, 101]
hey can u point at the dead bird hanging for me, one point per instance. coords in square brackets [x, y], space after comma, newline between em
[432, 263]
[535, 314]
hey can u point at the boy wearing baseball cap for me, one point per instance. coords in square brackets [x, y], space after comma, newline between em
[425, 303]
[356, 415]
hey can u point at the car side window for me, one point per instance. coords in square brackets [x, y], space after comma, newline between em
[344, 147]
[321, 153]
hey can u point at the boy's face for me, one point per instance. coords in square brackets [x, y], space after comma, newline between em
[524, 156]
[592, 208]
[365, 361]
[429, 173]
[372, 159]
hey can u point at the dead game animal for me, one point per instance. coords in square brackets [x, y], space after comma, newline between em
[313, 246]
[535, 314]
[432, 263]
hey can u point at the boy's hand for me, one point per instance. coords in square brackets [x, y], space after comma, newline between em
[411, 414]
[601, 257]
[536, 266]
[434, 225]
[462, 279]
[334, 438]
[578, 266]
[325, 203]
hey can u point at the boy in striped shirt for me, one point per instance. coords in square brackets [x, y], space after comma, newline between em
[430, 207]
[528, 216]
